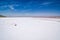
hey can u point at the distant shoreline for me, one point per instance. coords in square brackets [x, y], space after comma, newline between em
[33, 16]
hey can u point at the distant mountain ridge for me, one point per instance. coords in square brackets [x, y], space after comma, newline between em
[33, 16]
[2, 16]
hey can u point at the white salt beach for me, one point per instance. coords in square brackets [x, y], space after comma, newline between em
[28, 28]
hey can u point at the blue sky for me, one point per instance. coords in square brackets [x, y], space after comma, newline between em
[30, 7]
